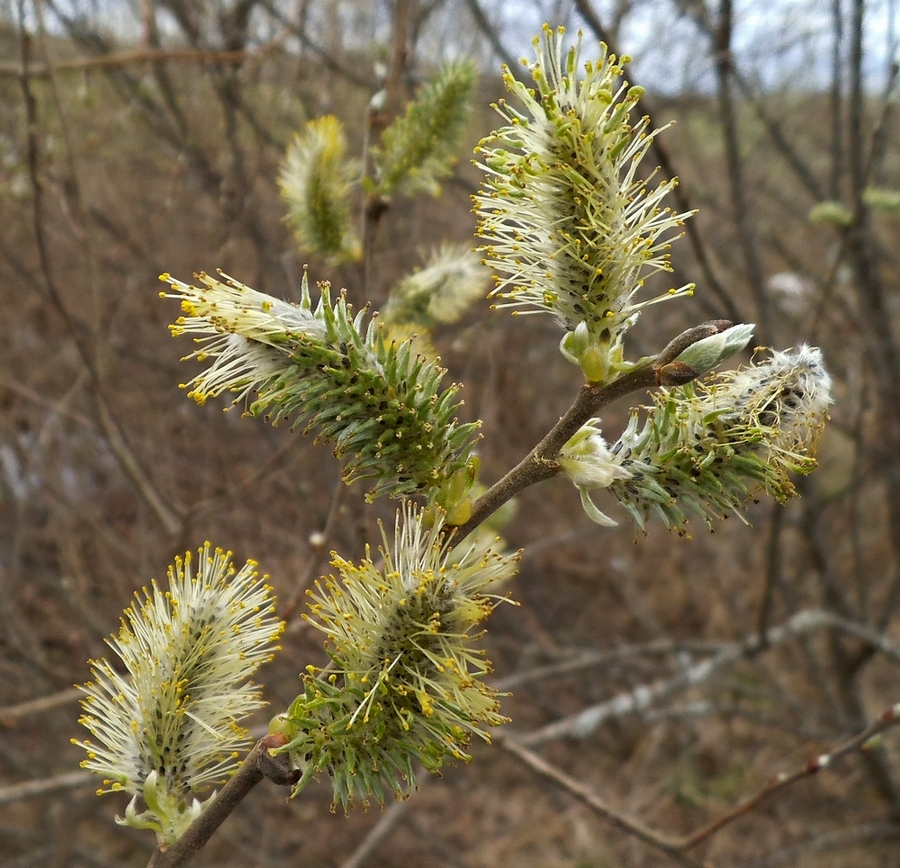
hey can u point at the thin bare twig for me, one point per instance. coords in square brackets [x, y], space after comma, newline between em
[12, 713]
[138, 56]
[773, 569]
[644, 696]
[490, 33]
[741, 208]
[792, 156]
[669, 846]
[677, 848]
[782, 781]
[46, 786]
[319, 546]
[379, 118]
[324, 56]
[829, 843]
[593, 659]
[380, 831]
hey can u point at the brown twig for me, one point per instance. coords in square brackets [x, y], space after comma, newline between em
[782, 781]
[829, 842]
[541, 463]
[137, 56]
[670, 846]
[11, 713]
[257, 766]
[677, 848]
[490, 33]
[741, 206]
[46, 786]
[390, 816]
[701, 15]
[773, 570]
[291, 607]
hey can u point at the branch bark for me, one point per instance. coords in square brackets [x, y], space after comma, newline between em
[541, 463]
[258, 766]
[677, 848]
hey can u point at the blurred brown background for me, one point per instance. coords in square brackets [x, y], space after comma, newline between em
[151, 144]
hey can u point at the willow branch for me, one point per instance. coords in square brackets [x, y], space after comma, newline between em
[541, 463]
[782, 781]
[829, 842]
[9, 714]
[137, 56]
[42, 787]
[257, 766]
[676, 848]
[376, 836]
[490, 33]
[636, 829]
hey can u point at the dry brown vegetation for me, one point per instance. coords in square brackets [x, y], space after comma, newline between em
[150, 163]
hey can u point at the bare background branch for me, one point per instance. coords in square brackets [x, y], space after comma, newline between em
[143, 137]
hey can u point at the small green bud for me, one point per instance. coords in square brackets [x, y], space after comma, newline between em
[874, 742]
[282, 724]
[830, 212]
[708, 353]
[882, 199]
[455, 497]
[591, 354]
